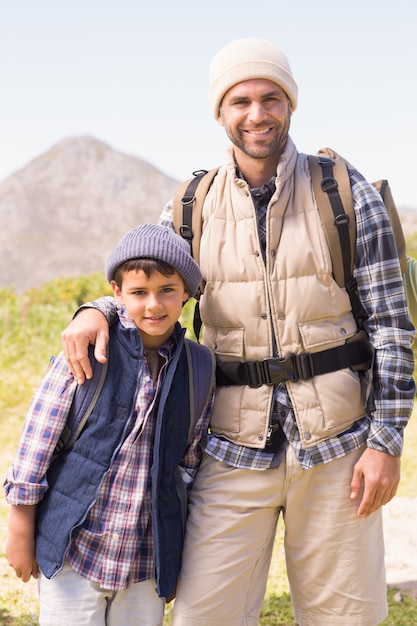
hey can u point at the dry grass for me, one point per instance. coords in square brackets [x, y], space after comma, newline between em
[19, 602]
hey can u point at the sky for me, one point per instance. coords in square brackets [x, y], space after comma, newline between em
[134, 74]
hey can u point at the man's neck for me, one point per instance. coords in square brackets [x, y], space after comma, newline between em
[256, 172]
[257, 179]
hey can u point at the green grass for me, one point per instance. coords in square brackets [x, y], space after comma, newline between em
[30, 328]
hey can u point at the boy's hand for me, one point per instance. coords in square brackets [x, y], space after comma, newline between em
[88, 327]
[20, 545]
[20, 554]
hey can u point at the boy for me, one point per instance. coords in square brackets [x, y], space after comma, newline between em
[101, 523]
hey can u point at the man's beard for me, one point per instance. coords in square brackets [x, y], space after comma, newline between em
[260, 151]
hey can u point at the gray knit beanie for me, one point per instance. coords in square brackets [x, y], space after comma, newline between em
[245, 59]
[156, 242]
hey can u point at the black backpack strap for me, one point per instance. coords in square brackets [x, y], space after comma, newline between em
[188, 207]
[187, 219]
[335, 212]
[333, 194]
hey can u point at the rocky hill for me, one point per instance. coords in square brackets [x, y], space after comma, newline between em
[62, 214]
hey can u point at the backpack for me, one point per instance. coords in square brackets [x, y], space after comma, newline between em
[201, 367]
[333, 194]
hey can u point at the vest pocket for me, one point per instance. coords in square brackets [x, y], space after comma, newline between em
[330, 403]
[318, 335]
[227, 342]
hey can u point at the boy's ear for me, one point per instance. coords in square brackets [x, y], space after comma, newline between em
[186, 296]
[117, 292]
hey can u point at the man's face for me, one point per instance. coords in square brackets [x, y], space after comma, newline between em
[256, 117]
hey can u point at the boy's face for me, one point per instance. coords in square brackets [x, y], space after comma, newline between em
[153, 303]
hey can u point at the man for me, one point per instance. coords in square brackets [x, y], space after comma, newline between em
[316, 449]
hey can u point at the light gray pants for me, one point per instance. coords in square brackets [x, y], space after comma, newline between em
[68, 599]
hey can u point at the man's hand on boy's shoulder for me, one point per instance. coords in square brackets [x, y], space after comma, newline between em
[88, 327]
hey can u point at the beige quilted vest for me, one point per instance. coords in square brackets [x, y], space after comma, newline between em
[293, 297]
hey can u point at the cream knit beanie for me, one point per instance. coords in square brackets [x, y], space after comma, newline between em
[245, 59]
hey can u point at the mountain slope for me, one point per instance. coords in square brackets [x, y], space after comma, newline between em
[62, 213]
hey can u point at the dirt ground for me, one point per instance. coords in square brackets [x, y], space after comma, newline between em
[400, 530]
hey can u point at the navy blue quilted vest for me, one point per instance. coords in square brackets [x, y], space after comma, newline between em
[76, 474]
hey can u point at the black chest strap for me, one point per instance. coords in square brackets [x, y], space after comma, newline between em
[357, 354]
